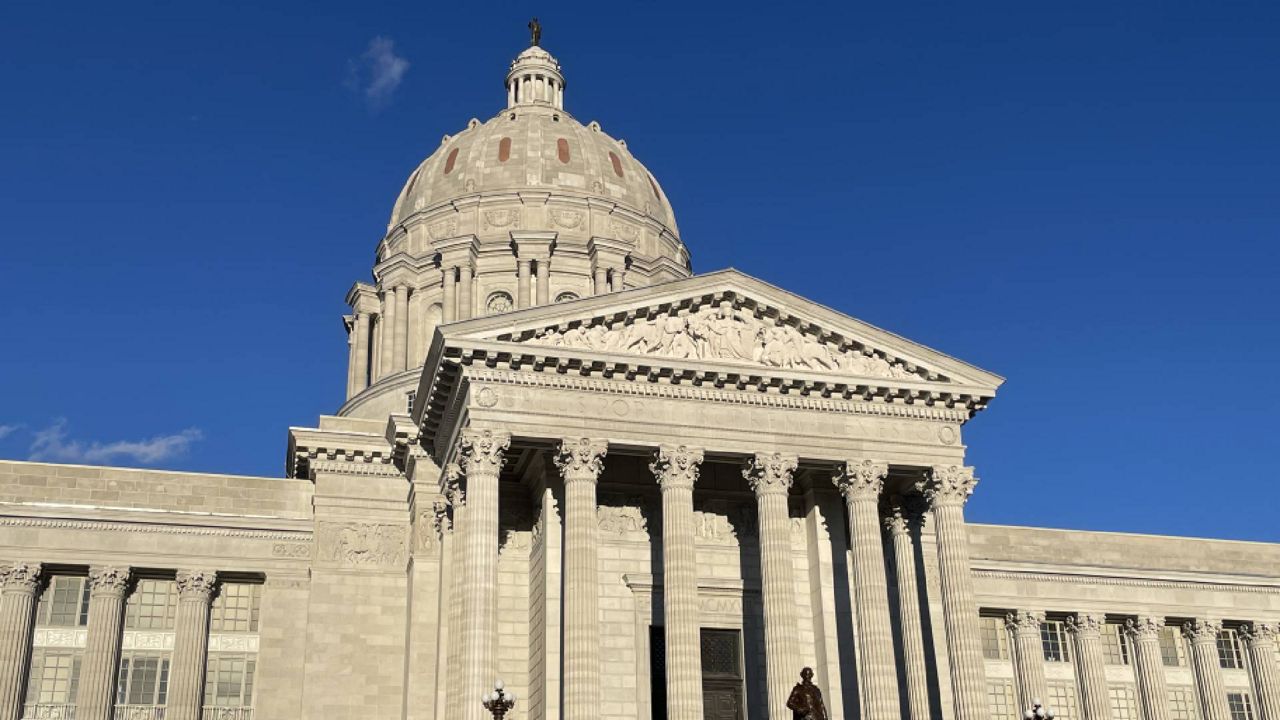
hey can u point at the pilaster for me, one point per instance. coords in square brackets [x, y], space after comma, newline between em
[96, 697]
[770, 476]
[676, 468]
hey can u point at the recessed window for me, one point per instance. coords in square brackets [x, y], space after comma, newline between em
[1053, 638]
[566, 297]
[504, 149]
[1171, 647]
[1115, 648]
[449, 161]
[1239, 705]
[499, 302]
[1229, 650]
[562, 150]
[617, 164]
[995, 640]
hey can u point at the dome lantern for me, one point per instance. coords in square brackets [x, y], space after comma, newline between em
[535, 79]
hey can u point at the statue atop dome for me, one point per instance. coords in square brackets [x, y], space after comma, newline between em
[535, 33]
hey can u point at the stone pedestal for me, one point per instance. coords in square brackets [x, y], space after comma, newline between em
[18, 585]
[1086, 634]
[860, 481]
[1153, 694]
[676, 469]
[191, 643]
[902, 523]
[1028, 655]
[480, 453]
[770, 477]
[96, 698]
[1203, 635]
[580, 461]
[1260, 639]
[947, 489]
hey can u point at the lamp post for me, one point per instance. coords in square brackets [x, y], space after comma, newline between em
[499, 702]
[1038, 712]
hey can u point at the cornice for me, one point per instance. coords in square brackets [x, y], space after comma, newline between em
[1088, 578]
[152, 528]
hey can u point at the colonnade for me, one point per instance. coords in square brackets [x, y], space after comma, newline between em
[1144, 632]
[770, 476]
[533, 87]
[20, 583]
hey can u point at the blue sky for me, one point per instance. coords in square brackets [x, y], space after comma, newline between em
[1082, 197]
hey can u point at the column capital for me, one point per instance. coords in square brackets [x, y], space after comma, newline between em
[1086, 624]
[21, 577]
[1202, 630]
[948, 485]
[860, 479]
[581, 458]
[676, 466]
[1024, 622]
[109, 580]
[1143, 627]
[770, 472]
[451, 485]
[1258, 633]
[902, 515]
[197, 584]
[482, 450]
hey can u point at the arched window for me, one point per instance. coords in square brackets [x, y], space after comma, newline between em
[566, 297]
[499, 302]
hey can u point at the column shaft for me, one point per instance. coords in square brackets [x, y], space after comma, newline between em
[580, 461]
[1261, 641]
[1028, 656]
[948, 488]
[351, 359]
[676, 469]
[466, 303]
[416, 322]
[1153, 693]
[1203, 635]
[602, 280]
[97, 695]
[449, 305]
[860, 481]
[481, 453]
[902, 523]
[17, 605]
[390, 320]
[523, 283]
[544, 281]
[191, 644]
[1086, 631]
[400, 331]
[770, 476]
[362, 353]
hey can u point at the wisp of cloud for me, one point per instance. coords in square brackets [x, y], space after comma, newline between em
[52, 444]
[378, 72]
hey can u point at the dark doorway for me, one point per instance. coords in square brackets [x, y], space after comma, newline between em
[722, 676]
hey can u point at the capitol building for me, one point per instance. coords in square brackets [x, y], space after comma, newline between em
[629, 491]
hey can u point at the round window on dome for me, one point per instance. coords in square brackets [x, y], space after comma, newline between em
[562, 150]
[504, 149]
[449, 161]
[499, 302]
[617, 164]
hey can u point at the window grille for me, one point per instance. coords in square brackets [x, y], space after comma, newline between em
[153, 605]
[1240, 705]
[1229, 650]
[229, 680]
[1115, 647]
[1171, 648]
[64, 603]
[54, 677]
[236, 608]
[144, 680]
[1053, 637]
[995, 639]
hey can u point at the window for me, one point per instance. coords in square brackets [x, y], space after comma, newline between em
[153, 605]
[504, 149]
[1182, 704]
[499, 302]
[1171, 651]
[236, 608]
[144, 680]
[1229, 650]
[408, 405]
[1240, 706]
[1124, 705]
[566, 297]
[229, 680]
[1115, 647]
[449, 161]
[64, 603]
[995, 640]
[1062, 701]
[54, 678]
[1000, 701]
[562, 150]
[1053, 637]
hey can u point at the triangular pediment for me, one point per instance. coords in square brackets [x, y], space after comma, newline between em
[727, 319]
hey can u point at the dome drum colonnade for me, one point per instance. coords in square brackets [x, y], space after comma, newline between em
[528, 208]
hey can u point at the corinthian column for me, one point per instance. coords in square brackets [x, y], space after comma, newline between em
[1086, 633]
[770, 476]
[580, 461]
[676, 469]
[902, 522]
[1145, 633]
[1203, 634]
[96, 697]
[1260, 638]
[191, 643]
[19, 582]
[947, 489]
[860, 481]
[480, 452]
[1028, 655]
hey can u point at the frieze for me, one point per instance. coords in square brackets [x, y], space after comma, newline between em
[362, 545]
[147, 640]
[291, 550]
[567, 219]
[442, 229]
[219, 642]
[60, 637]
[622, 520]
[624, 230]
[502, 217]
[132, 527]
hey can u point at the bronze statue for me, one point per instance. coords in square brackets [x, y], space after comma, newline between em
[806, 699]
[535, 29]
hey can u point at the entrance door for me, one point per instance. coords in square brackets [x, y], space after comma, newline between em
[722, 678]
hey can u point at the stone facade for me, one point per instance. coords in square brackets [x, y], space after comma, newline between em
[631, 505]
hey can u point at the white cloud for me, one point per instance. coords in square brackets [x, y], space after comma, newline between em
[52, 444]
[7, 430]
[378, 72]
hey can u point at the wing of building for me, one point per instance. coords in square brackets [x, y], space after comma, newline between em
[629, 491]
